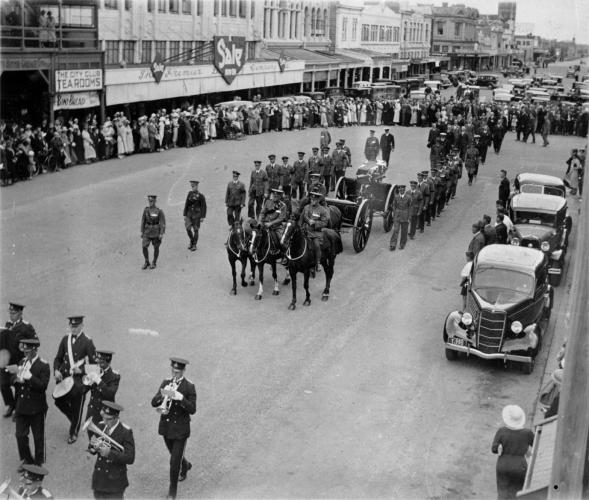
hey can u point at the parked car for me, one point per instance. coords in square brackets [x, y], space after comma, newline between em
[489, 81]
[443, 80]
[508, 296]
[539, 184]
[572, 70]
[541, 221]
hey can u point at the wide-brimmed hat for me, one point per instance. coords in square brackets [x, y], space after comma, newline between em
[556, 375]
[513, 417]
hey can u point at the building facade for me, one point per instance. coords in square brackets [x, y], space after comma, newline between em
[492, 53]
[524, 45]
[507, 11]
[416, 27]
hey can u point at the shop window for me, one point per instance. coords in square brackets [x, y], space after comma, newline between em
[173, 6]
[72, 15]
[111, 4]
[111, 52]
[146, 47]
[128, 52]
[186, 51]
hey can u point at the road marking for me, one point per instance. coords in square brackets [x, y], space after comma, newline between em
[143, 331]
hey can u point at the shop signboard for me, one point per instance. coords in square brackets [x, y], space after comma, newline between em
[229, 56]
[157, 67]
[76, 100]
[78, 80]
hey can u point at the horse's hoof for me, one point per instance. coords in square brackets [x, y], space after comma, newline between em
[286, 282]
[252, 282]
[307, 302]
[292, 307]
[233, 291]
[325, 298]
[258, 297]
[244, 283]
[275, 292]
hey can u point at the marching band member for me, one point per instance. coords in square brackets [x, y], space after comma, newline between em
[31, 483]
[115, 451]
[16, 329]
[74, 350]
[32, 378]
[176, 401]
[103, 386]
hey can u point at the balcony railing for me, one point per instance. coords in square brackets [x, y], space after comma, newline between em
[18, 38]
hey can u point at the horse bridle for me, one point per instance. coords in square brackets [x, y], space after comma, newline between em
[254, 256]
[288, 255]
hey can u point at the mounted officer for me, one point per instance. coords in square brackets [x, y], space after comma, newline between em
[314, 218]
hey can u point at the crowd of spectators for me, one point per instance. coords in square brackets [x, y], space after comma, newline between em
[27, 150]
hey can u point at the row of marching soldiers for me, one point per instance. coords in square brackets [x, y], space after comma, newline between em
[428, 195]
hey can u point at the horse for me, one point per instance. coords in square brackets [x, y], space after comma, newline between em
[237, 251]
[300, 257]
[262, 251]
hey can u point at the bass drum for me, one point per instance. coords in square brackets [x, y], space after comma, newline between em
[63, 388]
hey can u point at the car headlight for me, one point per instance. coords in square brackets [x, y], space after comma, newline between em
[516, 327]
[515, 241]
[545, 246]
[467, 319]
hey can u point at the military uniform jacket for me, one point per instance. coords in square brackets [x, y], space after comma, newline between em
[319, 214]
[284, 174]
[273, 176]
[30, 395]
[39, 492]
[326, 165]
[401, 206]
[299, 171]
[273, 212]
[387, 142]
[340, 160]
[104, 391]
[196, 205]
[424, 188]
[12, 336]
[416, 202]
[176, 424]
[349, 153]
[315, 166]
[433, 191]
[258, 183]
[110, 473]
[235, 194]
[82, 349]
[371, 148]
[471, 159]
[153, 222]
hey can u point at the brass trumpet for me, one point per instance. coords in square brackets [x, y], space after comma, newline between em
[164, 408]
[103, 439]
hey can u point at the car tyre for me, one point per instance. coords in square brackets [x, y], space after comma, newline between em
[528, 367]
[451, 354]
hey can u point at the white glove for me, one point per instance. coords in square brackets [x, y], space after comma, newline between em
[178, 396]
[26, 375]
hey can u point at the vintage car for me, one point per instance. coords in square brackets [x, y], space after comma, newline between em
[508, 296]
[489, 81]
[541, 221]
[539, 184]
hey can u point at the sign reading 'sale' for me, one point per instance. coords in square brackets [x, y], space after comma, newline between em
[229, 55]
[157, 67]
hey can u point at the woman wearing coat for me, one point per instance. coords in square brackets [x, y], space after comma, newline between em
[89, 151]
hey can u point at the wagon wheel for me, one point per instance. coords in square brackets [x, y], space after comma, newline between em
[341, 192]
[387, 216]
[362, 226]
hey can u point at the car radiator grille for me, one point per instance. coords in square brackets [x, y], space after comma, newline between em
[491, 327]
[530, 243]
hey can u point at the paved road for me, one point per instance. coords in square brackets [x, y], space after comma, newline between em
[349, 398]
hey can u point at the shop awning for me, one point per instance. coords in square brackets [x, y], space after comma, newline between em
[311, 57]
[370, 55]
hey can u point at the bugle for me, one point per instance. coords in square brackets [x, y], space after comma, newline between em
[164, 407]
[103, 439]
[8, 493]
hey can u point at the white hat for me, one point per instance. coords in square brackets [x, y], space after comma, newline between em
[513, 417]
[557, 374]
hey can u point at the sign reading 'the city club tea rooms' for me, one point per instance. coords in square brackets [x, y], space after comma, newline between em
[229, 55]
[76, 80]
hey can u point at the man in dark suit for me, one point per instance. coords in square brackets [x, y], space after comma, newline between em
[504, 189]
[32, 378]
[73, 352]
[176, 401]
[401, 208]
[109, 479]
[234, 198]
[102, 386]
[387, 144]
[299, 174]
[477, 243]
[16, 329]
[423, 186]
[257, 190]
[195, 211]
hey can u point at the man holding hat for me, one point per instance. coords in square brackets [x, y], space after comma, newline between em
[372, 147]
[257, 190]
[416, 208]
[314, 218]
[195, 211]
[234, 198]
[15, 330]
[285, 172]
[75, 349]
[31, 482]
[109, 479]
[401, 207]
[273, 174]
[103, 386]
[176, 401]
[153, 227]
[299, 173]
[32, 378]
[387, 144]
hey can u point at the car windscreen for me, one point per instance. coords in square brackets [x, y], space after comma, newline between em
[526, 217]
[502, 286]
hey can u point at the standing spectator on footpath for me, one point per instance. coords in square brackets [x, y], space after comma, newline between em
[504, 189]
[500, 230]
[489, 231]
[477, 242]
[512, 443]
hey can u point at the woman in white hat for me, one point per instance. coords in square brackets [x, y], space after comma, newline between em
[512, 442]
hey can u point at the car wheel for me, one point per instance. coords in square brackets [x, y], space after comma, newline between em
[528, 367]
[451, 354]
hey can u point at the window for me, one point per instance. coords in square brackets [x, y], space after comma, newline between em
[111, 52]
[373, 32]
[160, 48]
[150, 5]
[440, 28]
[173, 6]
[250, 48]
[186, 51]
[457, 29]
[252, 8]
[215, 7]
[128, 52]
[405, 33]
[381, 33]
[161, 5]
[396, 31]
[242, 8]
[389, 34]
[186, 6]
[455, 48]
[436, 48]
[175, 49]
[128, 4]
[233, 8]
[111, 4]
[146, 46]
[344, 28]
[203, 51]
[354, 29]
[72, 15]
[365, 32]
[444, 48]
[224, 7]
